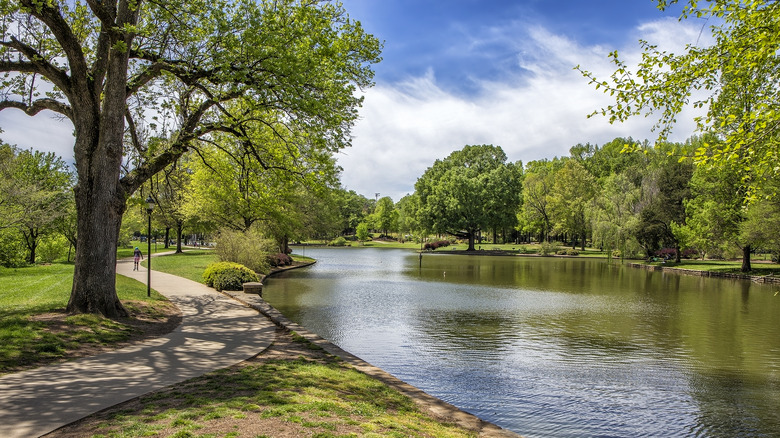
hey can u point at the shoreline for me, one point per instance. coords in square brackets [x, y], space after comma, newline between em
[437, 407]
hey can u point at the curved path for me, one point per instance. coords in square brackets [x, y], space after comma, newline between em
[215, 332]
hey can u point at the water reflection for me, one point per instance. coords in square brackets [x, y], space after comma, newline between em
[553, 347]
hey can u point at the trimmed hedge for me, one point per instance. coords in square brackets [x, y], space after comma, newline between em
[228, 276]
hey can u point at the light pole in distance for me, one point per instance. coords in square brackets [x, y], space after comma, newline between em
[149, 209]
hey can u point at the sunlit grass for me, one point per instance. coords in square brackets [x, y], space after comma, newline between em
[27, 339]
[189, 264]
[319, 397]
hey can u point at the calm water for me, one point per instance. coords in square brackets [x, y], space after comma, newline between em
[553, 347]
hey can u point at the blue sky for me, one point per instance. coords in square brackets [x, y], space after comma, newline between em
[458, 72]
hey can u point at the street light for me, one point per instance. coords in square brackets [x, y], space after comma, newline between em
[149, 209]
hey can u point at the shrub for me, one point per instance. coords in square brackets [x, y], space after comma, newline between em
[666, 253]
[547, 248]
[51, 248]
[228, 276]
[616, 253]
[248, 249]
[14, 252]
[279, 259]
[572, 252]
[339, 241]
[432, 246]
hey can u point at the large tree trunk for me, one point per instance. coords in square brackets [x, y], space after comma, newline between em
[99, 122]
[746, 259]
[471, 241]
[167, 236]
[94, 277]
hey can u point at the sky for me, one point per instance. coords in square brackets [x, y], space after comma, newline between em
[466, 72]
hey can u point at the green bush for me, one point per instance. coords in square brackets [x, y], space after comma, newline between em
[14, 253]
[339, 241]
[547, 248]
[248, 249]
[52, 248]
[228, 276]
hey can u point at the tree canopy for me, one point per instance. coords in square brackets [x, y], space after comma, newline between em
[734, 79]
[468, 191]
[126, 71]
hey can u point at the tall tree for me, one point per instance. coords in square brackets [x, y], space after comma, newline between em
[38, 197]
[670, 185]
[735, 79]
[386, 215]
[467, 191]
[169, 189]
[614, 213]
[572, 192]
[536, 214]
[222, 66]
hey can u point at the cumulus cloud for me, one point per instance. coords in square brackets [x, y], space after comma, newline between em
[538, 112]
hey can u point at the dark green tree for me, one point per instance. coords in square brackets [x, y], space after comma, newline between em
[668, 187]
[468, 191]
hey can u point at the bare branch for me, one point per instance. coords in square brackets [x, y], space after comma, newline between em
[36, 65]
[49, 13]
[38, 106]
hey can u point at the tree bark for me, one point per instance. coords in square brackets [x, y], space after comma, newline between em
[167, 236]
[179, 226]
[99, 210]
[746, 259]
[471, 241]
[99, 122]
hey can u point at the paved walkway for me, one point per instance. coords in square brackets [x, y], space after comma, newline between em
[215, 332]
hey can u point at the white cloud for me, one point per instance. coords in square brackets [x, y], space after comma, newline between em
[405, 127]
[540, 112]
[44, 132]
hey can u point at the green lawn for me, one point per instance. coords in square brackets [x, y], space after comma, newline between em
[26, 338]
[312, 395]
[758, 265]
[189, 264]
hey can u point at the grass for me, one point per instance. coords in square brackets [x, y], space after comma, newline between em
[759, 267]
[33, 327]
[189, 264]
[127, 251]
[317, 395]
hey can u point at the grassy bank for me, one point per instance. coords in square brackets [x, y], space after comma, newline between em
[35, 330]
[759, 267]
[189, 264]
[293, 389]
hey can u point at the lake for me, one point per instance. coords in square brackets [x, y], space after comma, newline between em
[553, 347]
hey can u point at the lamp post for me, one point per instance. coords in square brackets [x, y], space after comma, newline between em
[149, 209]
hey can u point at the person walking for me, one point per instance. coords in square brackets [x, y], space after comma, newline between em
[137, 257]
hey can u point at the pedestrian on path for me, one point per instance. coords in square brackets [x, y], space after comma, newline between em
[137, 257]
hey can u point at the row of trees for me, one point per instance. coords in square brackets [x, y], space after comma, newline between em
[37, 213]
[627, 197]
[274, 82]
[145, 83]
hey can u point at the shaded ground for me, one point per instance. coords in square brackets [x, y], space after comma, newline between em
[145, 322]
[291, 379]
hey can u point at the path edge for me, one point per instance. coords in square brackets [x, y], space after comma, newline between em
[435, 406]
